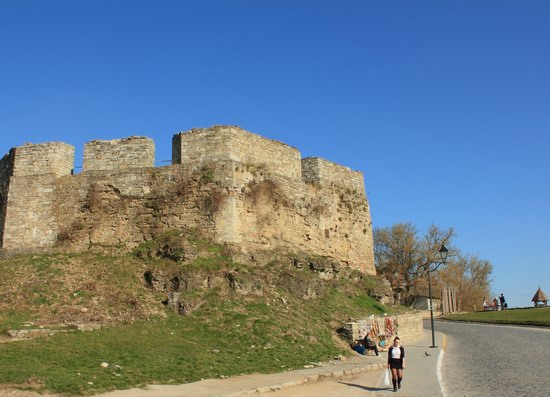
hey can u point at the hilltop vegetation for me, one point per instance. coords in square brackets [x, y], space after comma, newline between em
[176, 310]
[539, 316]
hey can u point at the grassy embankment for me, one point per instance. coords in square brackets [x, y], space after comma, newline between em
[539, 316]
[230, 333]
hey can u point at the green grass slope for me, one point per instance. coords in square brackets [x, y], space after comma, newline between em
[241, 319]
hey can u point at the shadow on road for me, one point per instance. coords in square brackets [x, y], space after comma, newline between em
[367, 388]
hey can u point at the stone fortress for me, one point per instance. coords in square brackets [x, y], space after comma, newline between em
[256, 196]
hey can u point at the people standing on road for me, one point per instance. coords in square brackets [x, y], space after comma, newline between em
[396, 362]
[502, 301]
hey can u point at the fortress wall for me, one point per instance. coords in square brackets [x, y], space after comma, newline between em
[56, 158]
[344, 210]
[280, 213]
[6, 171]
[242, 189]
[318, 170]
[132, 152]
[203, 146]
[130, 206]
[29, 221]
[228, 225]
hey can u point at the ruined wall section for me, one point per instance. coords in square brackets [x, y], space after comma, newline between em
[6, 171]
[29, 220]
[279, 213]
[129, 207]
[119, 154]
[350, 216]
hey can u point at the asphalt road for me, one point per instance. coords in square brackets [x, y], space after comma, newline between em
[495, 360]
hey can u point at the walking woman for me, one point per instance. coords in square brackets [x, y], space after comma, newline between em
[396, 362]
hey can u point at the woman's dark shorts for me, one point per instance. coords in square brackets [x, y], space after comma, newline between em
[396, 363]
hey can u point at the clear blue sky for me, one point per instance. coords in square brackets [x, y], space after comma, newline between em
[443, 105]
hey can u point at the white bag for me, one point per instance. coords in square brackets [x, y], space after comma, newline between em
[387, 378]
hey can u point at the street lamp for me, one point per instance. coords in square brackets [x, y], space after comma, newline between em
[443, 251]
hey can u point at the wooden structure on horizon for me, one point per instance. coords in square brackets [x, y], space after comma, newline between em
[540, 298]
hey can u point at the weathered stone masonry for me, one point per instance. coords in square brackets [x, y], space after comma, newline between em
[254, 194]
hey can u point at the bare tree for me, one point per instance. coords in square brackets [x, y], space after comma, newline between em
[402, 255]
[471, 278]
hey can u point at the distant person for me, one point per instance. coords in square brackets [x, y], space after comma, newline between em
[396, 362]
[494, 303]
[370, 344]
[502, 301]
[485, 305]
[357, 346]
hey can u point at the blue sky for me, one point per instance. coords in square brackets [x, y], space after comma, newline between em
[443, 105]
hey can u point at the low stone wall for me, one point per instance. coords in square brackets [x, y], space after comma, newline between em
[408, 327]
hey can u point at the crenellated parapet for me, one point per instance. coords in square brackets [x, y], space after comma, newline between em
[28, 178]
[119, 154]
[201, 146]
[50, 158]
[256, 195]
[323, 172]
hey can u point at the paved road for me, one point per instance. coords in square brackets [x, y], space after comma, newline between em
[485, 360]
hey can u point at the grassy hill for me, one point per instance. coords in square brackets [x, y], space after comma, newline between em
[176, 310]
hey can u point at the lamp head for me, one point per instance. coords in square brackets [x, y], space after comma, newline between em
[443, 251]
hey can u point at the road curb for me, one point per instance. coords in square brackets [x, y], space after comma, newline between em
[305, 380]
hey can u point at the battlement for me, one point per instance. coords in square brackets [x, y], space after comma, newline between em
[53, 158]
[323, 172]
[219, 143]
[132, 152]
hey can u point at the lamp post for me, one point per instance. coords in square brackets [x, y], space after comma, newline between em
[443, 251]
